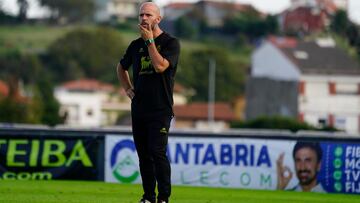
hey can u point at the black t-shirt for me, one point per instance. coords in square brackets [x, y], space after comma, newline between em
[151, 98]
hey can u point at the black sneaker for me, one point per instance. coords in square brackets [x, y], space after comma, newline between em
[161, 201]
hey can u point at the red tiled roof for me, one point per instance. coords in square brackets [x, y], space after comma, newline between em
[179, 88]
[179, 5]
[88, 85]
[199, 111]
[4, 89]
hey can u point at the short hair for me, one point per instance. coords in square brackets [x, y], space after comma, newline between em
[315, 146]
[157, 9]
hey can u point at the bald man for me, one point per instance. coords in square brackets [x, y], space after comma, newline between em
[153, 57]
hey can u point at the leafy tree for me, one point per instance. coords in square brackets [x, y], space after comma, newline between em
[193, 72]
[50, 106]
[17, 67]
[343, 26]
[251, 25]
[39, 105]
[340, 22]
[71, 10]
[184, 28]
[13, 111]
[353, 35]
[272, 25]
[23, 8]
[86, 53]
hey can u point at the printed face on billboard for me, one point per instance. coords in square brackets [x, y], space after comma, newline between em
[306, 166]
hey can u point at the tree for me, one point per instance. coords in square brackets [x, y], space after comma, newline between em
[353, 35]
[70, 10]
[12, 111]
[251, 25]
[86, 53]
[272, 25]
[50, 106]
[193, 73]
[23, 8]
[184, 28]
[21, 68]
[16, 67]
[340, 22]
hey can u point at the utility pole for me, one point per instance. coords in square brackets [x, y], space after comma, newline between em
[211, 100]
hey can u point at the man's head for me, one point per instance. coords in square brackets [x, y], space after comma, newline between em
[149, 15]
[307, 157]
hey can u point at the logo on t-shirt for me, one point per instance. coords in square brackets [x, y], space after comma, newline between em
[163, 130]
[146, 66]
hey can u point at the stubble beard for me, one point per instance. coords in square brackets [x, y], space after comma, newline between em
[307, 181]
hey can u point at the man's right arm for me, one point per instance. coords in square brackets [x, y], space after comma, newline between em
[124, 78]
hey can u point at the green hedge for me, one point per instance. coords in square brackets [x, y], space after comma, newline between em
[278, 122]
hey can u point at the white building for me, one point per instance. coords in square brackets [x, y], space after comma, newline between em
[116, 9]
[327, 79]
[90, 103]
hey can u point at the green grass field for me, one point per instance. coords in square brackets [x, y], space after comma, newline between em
[81, 191]
[29, 38]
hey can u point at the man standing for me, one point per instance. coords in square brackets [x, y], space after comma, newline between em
[154, 58]
[307, 157]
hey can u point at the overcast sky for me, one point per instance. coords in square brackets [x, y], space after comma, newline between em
[267, 6]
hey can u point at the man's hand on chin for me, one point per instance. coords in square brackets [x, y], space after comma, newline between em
[145, 31]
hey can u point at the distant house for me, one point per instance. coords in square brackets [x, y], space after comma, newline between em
[88, 102]
[195, 115]
[314, 81]
[118, 10]
[173, 11]
[309, 16]
[304, 20]
[215, 12]
[91, 103]
[212, 13]
[181, 94]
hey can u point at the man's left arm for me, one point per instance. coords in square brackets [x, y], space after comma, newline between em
[159, 62]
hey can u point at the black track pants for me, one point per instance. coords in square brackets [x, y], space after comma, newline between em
[151, 138]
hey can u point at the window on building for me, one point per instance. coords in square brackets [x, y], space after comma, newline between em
[322, 122]
[301, 54]
[340, 123]
[347, 89]
[89, 112]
